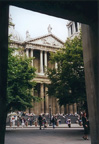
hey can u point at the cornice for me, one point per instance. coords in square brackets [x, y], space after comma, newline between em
[41, 80]
[34, 44]
[69, 23]
[34, 39]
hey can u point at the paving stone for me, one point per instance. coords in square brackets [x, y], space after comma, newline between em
[45, 136]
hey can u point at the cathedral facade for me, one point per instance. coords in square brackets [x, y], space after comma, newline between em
[40, 49]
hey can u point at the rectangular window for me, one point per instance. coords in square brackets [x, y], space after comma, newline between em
[71, 29]
[76, 27]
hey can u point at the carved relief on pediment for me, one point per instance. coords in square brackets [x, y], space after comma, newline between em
[50, 42]
[45, 41]
[54, 43]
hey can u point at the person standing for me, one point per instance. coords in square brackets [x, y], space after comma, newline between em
[85, 126]
[44, 122]
[31, 121]
[23, 122]
[86, 130]
[18, 121]
[40, 119]
[69, 123]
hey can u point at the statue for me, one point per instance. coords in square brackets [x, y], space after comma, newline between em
[49, 29]
[27, 34]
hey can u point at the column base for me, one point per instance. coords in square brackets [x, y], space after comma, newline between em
[42, 74]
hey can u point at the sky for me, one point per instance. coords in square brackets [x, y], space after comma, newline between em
[37, 23]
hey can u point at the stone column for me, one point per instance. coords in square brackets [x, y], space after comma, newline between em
[57, 106]
[37, 105]
[67, 107]
[42, 96]
[74, 27]
[32, 56]
[90, 39]
[27, 52]
[50, 104]
[45, 60]
[78, 27]
[34, 104]
[41, 61]
[74, 108]
[54, 105]
[62, 109]
[46, 101]
[71, 109]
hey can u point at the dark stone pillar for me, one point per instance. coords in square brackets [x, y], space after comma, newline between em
[3, 66]
[91, 64]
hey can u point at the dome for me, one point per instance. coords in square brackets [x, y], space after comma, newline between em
[15, 36]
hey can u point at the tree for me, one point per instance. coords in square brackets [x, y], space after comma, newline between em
[20, 82]
[68, 80]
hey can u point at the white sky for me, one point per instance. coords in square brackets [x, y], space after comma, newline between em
[37, 23]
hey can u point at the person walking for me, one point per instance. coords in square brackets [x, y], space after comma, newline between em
[40, 119]
[53, 121]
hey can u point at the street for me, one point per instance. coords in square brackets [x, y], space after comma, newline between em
[45, 136]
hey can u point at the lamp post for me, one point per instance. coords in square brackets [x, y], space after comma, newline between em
[50, 114]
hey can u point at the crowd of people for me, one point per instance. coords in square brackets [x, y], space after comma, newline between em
[41, 120]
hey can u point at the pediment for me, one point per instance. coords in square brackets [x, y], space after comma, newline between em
[48, 40]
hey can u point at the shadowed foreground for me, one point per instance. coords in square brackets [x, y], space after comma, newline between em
[46, 136]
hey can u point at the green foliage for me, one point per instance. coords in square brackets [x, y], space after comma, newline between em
[68, 81]
[20, 82]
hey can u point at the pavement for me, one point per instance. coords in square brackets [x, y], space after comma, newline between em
[32, 135]
[60, 126]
